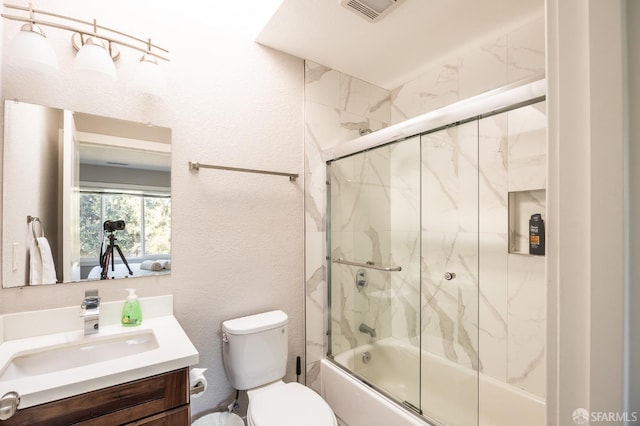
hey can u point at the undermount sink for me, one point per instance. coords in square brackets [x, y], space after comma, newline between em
[87, 351]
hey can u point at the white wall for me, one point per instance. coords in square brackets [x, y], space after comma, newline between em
[237, 239]
[586, 208]
[32, 161]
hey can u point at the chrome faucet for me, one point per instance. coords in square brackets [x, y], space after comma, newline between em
[91, 312]
[364, 328]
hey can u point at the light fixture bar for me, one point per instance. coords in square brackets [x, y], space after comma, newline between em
[146, 43]
[80, 21]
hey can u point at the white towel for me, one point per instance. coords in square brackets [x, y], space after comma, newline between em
[42, 270]
[166, 264]
[151, 265]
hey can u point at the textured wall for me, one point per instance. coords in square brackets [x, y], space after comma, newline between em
[237, 239]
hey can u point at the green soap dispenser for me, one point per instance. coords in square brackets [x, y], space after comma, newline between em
[131, 312]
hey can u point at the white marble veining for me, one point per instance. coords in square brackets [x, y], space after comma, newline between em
[492, 59]
[525, 51]
[512, 57]
[322, 85]
[527, 148]
[526, 319]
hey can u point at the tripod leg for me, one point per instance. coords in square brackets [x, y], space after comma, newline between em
[123, 259]
[104, 262]
[113, 263]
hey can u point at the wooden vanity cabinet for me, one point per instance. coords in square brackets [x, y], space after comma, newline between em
[153, 401]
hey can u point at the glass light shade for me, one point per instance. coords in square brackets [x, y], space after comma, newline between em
[149, 78]
[93, 58]
[30, 50]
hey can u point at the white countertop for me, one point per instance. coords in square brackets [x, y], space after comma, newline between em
[30, 331]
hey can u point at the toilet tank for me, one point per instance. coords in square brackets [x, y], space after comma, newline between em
[255, 349]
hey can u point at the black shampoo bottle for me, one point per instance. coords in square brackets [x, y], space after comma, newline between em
[536, 234]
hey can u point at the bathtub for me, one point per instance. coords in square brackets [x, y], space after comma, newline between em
[449, 391]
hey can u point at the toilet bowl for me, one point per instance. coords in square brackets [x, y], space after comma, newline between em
[288, 404]
[254, 354]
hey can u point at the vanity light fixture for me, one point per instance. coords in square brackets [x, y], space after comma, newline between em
[96, 52]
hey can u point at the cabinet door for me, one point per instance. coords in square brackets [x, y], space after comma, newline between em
[116, 405]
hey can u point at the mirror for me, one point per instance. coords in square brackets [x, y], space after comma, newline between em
[84, 197]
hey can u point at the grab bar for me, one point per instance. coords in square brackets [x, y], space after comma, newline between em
[368, 264]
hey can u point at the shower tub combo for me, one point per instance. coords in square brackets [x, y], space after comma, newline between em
[358, 404]
[436, 308]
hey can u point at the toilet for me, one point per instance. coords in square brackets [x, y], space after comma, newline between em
[254, 353]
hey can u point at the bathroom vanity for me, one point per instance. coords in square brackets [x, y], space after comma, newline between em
[157, 400]
[118, 375]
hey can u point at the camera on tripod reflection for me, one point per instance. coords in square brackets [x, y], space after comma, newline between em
[113, 225]
[107, 255]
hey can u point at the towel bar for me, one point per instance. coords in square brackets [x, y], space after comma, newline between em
[194, 165]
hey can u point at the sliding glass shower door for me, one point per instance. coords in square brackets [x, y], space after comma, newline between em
[404, 271]
[374, 206]
[449, 200]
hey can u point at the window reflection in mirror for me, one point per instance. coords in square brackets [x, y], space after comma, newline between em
[75, 172]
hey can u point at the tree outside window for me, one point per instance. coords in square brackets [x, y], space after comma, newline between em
[147, 223]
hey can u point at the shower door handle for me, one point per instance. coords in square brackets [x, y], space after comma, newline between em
[370, 265]
[449, 276]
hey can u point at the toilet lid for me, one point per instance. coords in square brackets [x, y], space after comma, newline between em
[290, 405]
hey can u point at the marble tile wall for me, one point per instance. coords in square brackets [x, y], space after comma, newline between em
[450, 243]
[512, 57]
[491, 316]
[405, 250]
[511, 332]
[337, 106]
[360, 211]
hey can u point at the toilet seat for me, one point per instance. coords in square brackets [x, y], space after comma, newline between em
[290, 404]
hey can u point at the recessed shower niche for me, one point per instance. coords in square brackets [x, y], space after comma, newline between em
[522, 205]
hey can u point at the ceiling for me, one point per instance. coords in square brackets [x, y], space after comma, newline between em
[105, 141]
[400, 46]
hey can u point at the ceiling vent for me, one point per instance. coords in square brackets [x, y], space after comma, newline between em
[371, 10]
